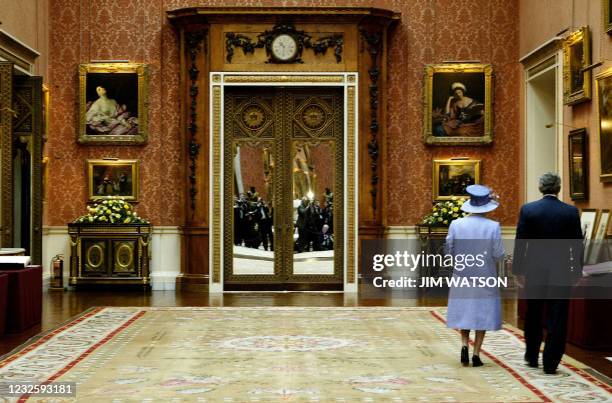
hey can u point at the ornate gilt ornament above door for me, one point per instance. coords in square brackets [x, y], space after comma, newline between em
[283, 44]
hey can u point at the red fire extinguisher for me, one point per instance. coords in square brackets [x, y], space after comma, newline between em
[57, 274]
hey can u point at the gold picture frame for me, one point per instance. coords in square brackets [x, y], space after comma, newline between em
[577, 56]
[451, 118]
[113, 103]
[452, 176]
[113, 179]
[603, 85]
[606, 6]
[578, 164]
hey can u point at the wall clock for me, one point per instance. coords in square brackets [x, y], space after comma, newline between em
[284, 48]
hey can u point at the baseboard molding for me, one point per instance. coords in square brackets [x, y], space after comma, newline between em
[410, 232]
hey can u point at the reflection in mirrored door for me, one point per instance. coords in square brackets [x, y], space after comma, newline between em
[313, 177]
[253, 208]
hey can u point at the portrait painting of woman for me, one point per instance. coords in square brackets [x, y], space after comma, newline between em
[113, 103]
[106, 116]
[458, 104]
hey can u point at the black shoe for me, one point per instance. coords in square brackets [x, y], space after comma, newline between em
[550, 371]
[476, 361]
[465, 358]
[529, 362]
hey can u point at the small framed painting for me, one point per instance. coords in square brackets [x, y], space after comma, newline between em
[578, 164]
[113, 104]
[577, 56]
[601, 230]
[588, 219]
[597, 248]
[604, 99]
[113, 179]
[458, 99]
[451, 177]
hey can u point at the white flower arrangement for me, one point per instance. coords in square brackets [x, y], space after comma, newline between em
[113, 211]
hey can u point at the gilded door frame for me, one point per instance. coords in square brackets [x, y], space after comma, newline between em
[346, 80]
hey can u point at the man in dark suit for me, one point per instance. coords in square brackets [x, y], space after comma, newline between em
[547, 262]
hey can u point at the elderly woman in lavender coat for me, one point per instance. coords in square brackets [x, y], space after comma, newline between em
[475, 307]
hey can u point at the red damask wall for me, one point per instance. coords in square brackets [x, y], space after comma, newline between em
[431, 31]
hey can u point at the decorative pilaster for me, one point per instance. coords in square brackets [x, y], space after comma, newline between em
[374, 44]
[196, 43]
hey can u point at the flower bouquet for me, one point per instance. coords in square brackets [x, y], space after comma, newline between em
[444, 212]
[111, 211]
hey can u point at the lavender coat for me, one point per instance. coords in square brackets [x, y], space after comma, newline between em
[475, 308]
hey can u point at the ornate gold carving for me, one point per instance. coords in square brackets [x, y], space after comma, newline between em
[253, 117]
[286, 107]
[94, 256]
[283, 79]
[313, 116]
[216, 184]
[124, 257]
[350, 186]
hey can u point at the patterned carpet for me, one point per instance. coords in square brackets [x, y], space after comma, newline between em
[286, 354]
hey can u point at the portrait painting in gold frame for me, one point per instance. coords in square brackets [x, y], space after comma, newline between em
[113, 105]
[604, 99]
[452, 176]
[113, 179]
[577, 56]
[457, 102]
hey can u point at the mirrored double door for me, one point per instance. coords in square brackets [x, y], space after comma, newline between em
[283, 187]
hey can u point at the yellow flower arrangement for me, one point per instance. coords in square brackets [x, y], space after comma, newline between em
[113, 211]
[444, 212]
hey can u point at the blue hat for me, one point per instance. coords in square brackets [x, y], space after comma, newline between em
[480, 200]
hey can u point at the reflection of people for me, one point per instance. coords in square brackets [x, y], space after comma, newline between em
[473, 308]
[463, 116]
[547, 269]
[106, 116]
[303, 172]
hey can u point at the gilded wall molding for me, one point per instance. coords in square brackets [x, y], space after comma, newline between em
[350, 186]
[216, 188]
[219, 153]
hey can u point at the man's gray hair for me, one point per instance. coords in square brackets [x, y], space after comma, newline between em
[550, 183]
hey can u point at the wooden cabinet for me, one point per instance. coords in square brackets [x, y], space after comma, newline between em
[109, 254]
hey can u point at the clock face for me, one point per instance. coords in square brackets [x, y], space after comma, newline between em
[284, 47]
